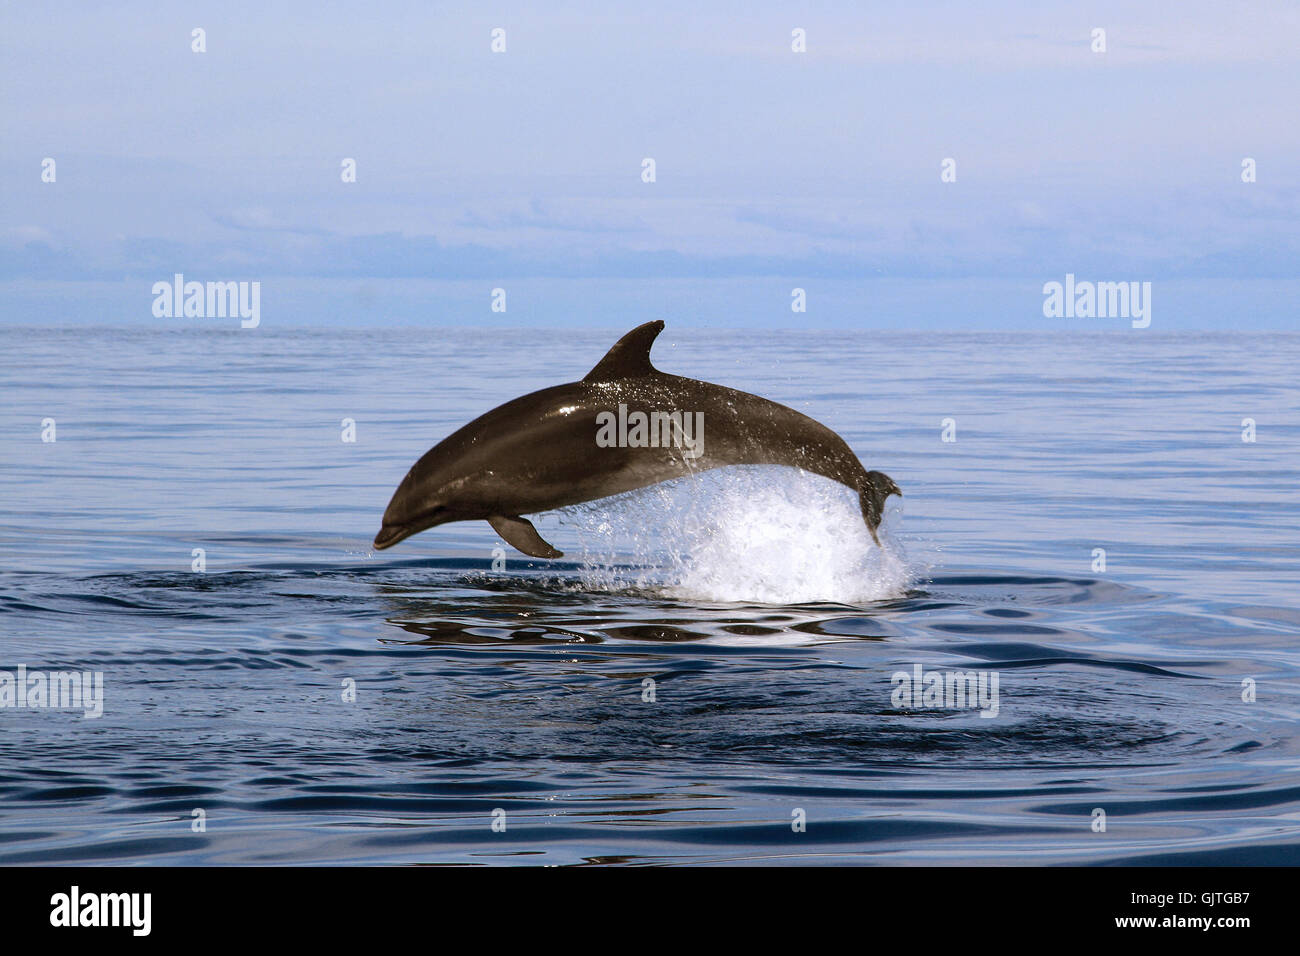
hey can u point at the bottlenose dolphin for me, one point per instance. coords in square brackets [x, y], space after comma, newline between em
[625, 426]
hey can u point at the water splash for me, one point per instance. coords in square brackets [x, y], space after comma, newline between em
[764, 535]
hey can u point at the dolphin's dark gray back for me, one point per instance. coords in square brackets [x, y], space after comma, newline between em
[743, 428]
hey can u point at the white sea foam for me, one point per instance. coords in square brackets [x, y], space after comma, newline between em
[765, 535]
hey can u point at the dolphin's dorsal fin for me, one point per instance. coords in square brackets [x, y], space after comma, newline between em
[630, 356]
[520, 534]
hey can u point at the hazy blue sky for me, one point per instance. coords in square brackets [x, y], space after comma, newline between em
[774, 169]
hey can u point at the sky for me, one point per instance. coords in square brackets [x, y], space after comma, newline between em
[523, 170]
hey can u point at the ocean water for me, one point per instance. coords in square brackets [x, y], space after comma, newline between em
[710, 675]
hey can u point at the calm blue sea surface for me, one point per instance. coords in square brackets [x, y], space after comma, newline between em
[1158, 694]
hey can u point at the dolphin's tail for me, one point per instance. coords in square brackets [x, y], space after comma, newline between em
[873, 488]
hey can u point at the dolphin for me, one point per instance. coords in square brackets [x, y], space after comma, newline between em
[625, 426]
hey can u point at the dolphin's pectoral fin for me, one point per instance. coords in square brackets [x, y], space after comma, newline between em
[520, 534]
[630, 356]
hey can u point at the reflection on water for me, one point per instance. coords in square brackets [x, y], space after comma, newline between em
[481, 690]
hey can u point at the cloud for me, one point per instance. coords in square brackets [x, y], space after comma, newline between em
[574, 215]
[261, 219]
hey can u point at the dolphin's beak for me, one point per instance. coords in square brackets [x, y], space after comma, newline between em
[389, 535]
[394, 528]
